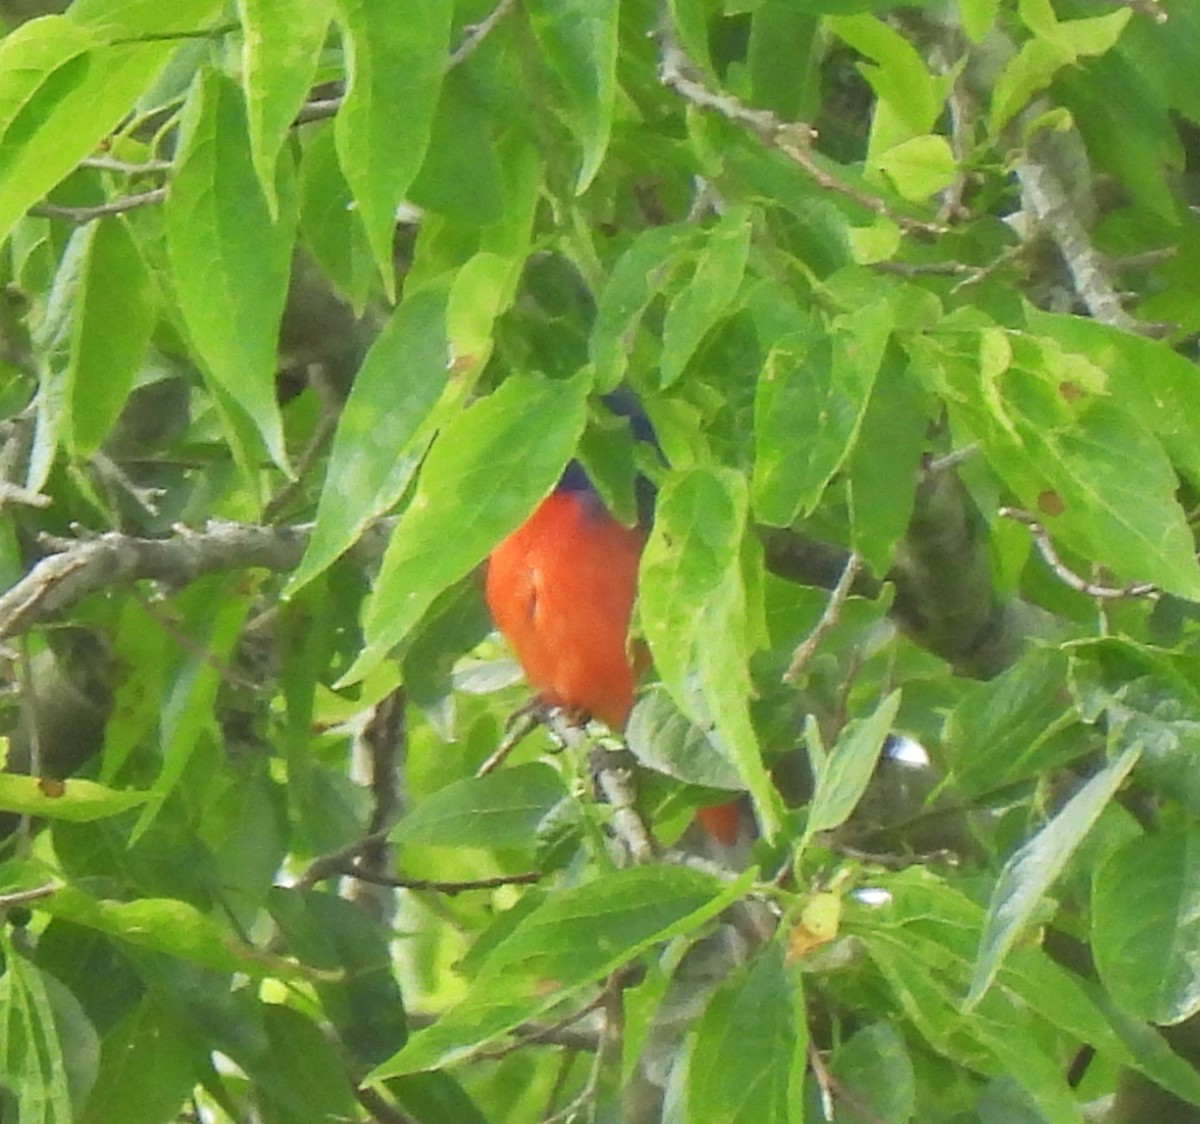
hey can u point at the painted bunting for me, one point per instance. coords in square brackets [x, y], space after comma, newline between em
[561, 590]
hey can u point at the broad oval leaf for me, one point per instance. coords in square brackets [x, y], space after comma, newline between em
[749, 1056]
[1146, 924]
[501, 809]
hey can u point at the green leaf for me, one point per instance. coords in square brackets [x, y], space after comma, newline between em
[114, 314]
[395, 68]
[1145, 920]
[578, 39]
[330, 224]
[844, 774]
[1149, 377]
[32, 1062]
[661, 737]
[1034, 868]
[281, 44]
[214, 617]
[902, 78]
[575, 937]
[170, 926]
[501, 809]
[695, 613]
[461, 176]
[485, 473]
[61, 93]
[128, 19]
[919, 167]
[1014, 726]
[1028, 71]
[812, 396]
[73, 799]
[638, 275]
[978, 17]
[707, 295]
[874, 1065]
[230, 260]
[884, 465]
[384, 429]
[749, 1056]
[146, 1070]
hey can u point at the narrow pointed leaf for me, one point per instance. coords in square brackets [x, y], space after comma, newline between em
[577, 936]
[1029, 874]
[281, 43]
[382, 432]
[229, 259]
[396, 63]
[484, 474]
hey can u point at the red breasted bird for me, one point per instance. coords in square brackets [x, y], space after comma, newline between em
[561, 589]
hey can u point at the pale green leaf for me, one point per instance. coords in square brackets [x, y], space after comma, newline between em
[578, 39]
[395, 67]
[383, 430]
[230, 260]
[920, 167]
[638, 275]
[707, 295]
[482, 477]
[281, 43]
[74, 799]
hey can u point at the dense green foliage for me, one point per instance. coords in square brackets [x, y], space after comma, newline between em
[306, 305]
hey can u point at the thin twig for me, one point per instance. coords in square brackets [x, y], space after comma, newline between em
[615, 781]
[400, 882]
[829, 618]
[793, 138]
[1151, 8]
[476, 33]
[380, 750]
[332, 865]
[832, 1090]
[14, 493]
[521, 723]
[196, 650]
[35, 893]
[533, 1034]
[1041, 539]
[82, 215]
[126, 167]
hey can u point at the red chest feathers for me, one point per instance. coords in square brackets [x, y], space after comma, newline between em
[561, 589]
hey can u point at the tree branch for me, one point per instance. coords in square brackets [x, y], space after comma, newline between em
[1041, 539]
[793, 138]
[83, 215]
[85, 566]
